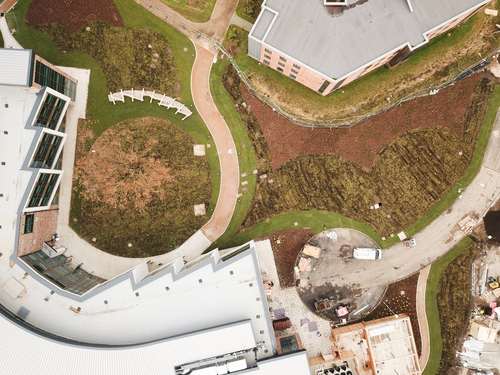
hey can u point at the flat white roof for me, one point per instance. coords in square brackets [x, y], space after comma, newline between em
[16, 67]
[336, 46]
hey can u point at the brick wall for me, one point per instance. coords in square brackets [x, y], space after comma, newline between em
[44, 226]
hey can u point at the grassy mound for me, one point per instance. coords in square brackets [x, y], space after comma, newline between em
[129, 58]
[138, 185]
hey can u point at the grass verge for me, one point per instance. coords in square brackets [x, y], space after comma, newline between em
[431, 306]
[315, 220]
[249, 9]
[246, 157]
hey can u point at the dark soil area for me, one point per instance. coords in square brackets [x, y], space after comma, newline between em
[363, 142]
[73, 14]
[129, 58]
[454, 303]
[492, 225]
[401, 298]
[285, 253]
[409, 175]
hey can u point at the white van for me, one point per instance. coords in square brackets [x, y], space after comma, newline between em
[367, 253]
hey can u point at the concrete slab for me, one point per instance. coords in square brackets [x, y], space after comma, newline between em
[13, 288]
[199, 209]
[199, 150]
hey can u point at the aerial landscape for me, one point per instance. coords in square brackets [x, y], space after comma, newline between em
[210, 187]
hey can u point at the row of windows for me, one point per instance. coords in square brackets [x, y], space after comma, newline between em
[43, 190]
[281, 58]
[46, 76]
[60, 272]
[50, 112]
[46, 152]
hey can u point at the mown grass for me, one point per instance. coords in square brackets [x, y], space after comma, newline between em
[431, 304]
[246, 156]
[101, 114]
[193, 10]
[315, 220]
[437, 62]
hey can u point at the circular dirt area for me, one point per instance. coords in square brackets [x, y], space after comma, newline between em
[139, 184]
[335, 278]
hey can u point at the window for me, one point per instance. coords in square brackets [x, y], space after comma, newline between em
[294, 71]
[50, 112]
[268, 51]
[292, 76]
[323, 87]
[281, 64]
[267, 57]
[266, 62]
[46, 76]
[62, 273]
[279, 70]
[28, 223]
[46, 152]
[282, 58]
[296, 66]
[43, 190]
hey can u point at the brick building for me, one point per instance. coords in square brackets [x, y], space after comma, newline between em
[326, 47]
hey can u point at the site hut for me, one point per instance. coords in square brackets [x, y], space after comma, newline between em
[325, 46]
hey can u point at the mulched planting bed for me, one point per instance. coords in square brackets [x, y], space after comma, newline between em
[129, 58]
[72, 14]
[414, 169]
[138, 185]
[363, 142]
[401, 304]
[285, 253]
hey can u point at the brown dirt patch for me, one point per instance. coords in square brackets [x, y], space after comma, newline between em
[401, 304]
[72, 14]
[285, 253]
[363, 142]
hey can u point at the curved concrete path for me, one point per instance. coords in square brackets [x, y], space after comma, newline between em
[422, 317]
[224, 142]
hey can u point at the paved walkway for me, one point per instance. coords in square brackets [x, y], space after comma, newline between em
[238, 21]
[215, 28]
[8, 40]
[224, 142]
[422, 317]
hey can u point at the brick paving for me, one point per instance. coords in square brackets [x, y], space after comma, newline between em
[294, 308]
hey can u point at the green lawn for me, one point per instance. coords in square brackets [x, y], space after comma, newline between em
[193, 10]
[431, 307]
[368, 94]
[103, 114]
[315, 220]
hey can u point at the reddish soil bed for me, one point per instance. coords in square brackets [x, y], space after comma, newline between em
[401, 303]
[286, 252]
[362, 143]
[73, 14]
